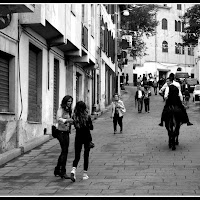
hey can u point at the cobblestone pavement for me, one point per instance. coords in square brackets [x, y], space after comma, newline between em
[137, 162]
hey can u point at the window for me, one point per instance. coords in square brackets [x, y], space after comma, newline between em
[176, 48]
[164, 24]
[191, 51]
[178, 6]
[183, 50]
[7, 82]
[92, 20]
[183, 26]
[56, 89]
[73, 8]
[35, 84]
[164, 46]
[178, 26]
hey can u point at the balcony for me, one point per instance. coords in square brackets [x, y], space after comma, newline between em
[16, 8]
[37, 22]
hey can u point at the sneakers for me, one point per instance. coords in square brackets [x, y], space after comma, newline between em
[73, 174]
[85, 176]
[115, 132]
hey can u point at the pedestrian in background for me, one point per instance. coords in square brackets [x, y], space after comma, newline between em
[117, 111]
[64, 121]
[155, 86]
[83, 125]
[139, 95]
[187, 97]
[147, 94]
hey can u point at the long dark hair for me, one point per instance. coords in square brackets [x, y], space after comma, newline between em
[80, 115]
[64, 104]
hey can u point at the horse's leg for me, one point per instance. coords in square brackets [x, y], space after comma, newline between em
[170, 139]
[173, 142]
[177, 134]
[174, 132]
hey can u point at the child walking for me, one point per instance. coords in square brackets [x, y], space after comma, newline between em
[117, 111]
[147, 94]
[83, 125]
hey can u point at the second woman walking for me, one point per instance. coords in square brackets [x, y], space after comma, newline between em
[83, 125]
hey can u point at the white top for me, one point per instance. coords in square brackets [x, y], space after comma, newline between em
[139, 93]
[175, 84]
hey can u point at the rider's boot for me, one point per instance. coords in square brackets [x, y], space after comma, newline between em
[189, 124]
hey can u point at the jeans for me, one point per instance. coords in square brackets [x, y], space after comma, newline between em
[63, 138]
[155, 90]
[79, 142]
[146, 104]
[117, 119]
[140, 104]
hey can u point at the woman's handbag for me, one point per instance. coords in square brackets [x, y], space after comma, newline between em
[54, 131]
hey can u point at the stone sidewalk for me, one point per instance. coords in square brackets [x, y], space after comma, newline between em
[137, 162]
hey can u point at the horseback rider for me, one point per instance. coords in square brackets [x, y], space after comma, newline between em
[174, 100]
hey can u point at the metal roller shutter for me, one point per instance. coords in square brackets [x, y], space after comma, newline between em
[56, 89]
[32, 106]
[4, 85]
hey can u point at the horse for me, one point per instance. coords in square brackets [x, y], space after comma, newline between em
[173, 124]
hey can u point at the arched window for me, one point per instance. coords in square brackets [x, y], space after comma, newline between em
[164, 24]
[164, 46]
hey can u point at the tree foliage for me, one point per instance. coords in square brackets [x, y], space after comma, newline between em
[141, 20]
[191, 19]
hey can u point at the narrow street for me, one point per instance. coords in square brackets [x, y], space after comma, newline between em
[137, 162]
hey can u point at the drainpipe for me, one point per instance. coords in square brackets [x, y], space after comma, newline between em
[19, 82]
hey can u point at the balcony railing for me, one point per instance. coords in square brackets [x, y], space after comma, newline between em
[84, 37]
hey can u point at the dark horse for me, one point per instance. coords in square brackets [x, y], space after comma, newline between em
[172, 124]
[173, 116]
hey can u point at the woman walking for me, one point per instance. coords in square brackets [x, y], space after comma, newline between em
[64, 121]
[147, 94]
[118, 109]
[83, 125]
[139, 95]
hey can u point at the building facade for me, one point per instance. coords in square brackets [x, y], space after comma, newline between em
[165, 53]
[48, 51]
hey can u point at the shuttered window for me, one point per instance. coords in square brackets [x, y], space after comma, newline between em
[56, 89]
[77, 86]
[35, 85]
[4, 85]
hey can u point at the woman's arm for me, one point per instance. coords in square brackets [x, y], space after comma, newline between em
[60, 119]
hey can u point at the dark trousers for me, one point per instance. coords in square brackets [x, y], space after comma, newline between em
[140, 104]
[155, 90]
[79, 142]
[146, 104]
[63, 138]
[117, 119]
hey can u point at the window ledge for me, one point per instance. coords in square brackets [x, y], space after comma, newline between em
[31, 122]
[7, 113]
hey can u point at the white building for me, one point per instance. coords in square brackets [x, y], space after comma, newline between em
[164, 51]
